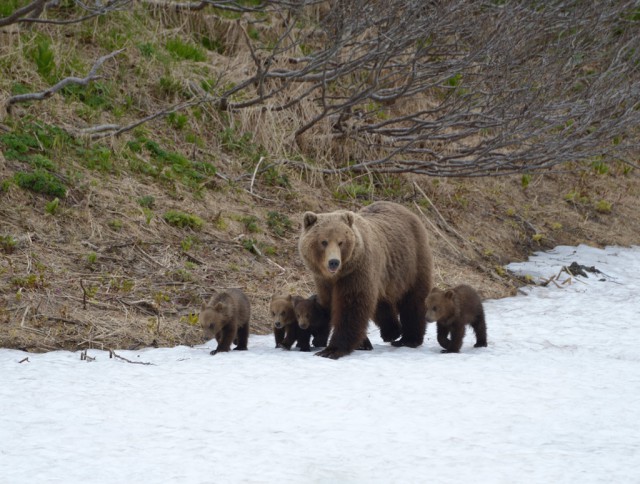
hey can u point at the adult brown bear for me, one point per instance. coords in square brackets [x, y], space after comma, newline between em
[373, 264]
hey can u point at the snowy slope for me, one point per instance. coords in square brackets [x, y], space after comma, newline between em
[555, 398]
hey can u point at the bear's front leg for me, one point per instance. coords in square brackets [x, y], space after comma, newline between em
[225, 339]
[457, 335]
[443, 336]
[304, 336]
[365, 345]
[278, 333]
[349, 320]
[291, 337]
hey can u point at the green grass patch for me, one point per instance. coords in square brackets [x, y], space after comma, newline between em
[242, 144]
[96, 95]
[250, 223]
[279, 223]
[147, 201]
[273, 177]
[7, 243]
[354, 191]
[52, 206]
[177, 120]
[166, 165]
[7, 7]
[215, 45]
[40, 181]
[19, 88]
[43, 57]
[603, 207]
[183, 220]
[185, 50]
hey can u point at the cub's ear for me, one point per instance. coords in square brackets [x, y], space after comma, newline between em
[309, 219]
[348, 217]
[449, 294]
[204, 306]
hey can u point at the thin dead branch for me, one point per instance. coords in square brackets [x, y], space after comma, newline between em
[113, 354]
[39, 96]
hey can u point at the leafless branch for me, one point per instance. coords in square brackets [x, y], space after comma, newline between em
[30, 14]
[38, 96]
[21, 13]
[113, 354]
[498, 89]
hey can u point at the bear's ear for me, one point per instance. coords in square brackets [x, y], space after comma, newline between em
[204, 306]
[348, 217]
[449, 294]
[309, 219]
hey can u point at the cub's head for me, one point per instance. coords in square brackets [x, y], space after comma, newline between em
[281, 308]
[215, 314]
[304, 312]
[440, 305]
[327, 241]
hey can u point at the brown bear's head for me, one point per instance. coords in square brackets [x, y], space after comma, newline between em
[282, 310]
[440, 305]
[215, 314]
[327, 241]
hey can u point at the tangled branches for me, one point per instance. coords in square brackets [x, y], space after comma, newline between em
[469, 88]
[442, 88]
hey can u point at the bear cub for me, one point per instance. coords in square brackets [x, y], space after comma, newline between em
[313, 320]
[453, 310]
[226, 317]
[285, 324]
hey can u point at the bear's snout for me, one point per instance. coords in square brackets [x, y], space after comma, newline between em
[278, 324]
[334, 264]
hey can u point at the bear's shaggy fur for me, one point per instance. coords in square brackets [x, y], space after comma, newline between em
[285, 324]
[226, 318]
[313, 320]
[373, 264]
[453, 310]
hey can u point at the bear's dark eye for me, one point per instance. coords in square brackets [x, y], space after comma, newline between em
[339, 244]
[324, 243]
[272, 313]
[435, 308]
[282, 313]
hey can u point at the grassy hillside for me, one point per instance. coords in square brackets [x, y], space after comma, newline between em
[115, 241]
